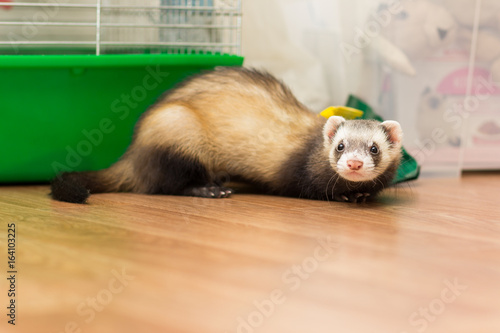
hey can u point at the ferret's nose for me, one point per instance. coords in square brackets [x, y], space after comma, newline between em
[354, 165]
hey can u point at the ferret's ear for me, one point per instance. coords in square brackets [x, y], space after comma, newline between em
[330, 128]
[394, 132]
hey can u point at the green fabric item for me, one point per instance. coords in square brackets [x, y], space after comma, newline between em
[409, 168]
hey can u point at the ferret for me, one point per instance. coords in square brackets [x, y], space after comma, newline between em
[244, 124]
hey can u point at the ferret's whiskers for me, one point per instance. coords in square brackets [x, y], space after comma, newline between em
[335, 184]
[326, 189]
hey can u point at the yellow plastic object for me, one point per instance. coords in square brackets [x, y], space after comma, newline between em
[343, 111]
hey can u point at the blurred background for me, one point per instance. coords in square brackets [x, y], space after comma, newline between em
[432, 65]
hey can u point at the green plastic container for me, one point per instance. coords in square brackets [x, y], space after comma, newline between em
[77, 112]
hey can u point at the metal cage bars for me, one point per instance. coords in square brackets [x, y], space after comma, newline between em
[231, 41]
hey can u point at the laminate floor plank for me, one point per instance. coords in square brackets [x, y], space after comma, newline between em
[425, 257]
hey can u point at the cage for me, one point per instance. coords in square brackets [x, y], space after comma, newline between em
[120, 26]
[76, 75]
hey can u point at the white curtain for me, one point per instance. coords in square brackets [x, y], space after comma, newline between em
[297, 40]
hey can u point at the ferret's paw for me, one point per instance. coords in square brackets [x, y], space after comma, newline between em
[341, 198]
[209, 192]
[363, 197]
[352, 197]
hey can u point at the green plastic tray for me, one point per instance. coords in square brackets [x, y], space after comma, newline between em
[77, 112]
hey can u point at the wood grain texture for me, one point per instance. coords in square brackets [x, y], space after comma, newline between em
[424, 258]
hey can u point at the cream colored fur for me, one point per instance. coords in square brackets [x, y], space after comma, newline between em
[230, 127]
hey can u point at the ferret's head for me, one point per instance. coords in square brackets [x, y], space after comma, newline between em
[361, 150]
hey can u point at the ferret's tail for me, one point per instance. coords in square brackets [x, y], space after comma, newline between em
[76, 187]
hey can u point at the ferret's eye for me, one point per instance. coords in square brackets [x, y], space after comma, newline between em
[374, 150]
[340, 147]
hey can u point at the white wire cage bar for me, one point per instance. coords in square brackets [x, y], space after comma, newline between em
[121, 26]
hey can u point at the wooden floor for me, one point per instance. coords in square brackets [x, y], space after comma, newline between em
[424, 258]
